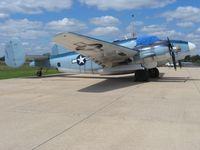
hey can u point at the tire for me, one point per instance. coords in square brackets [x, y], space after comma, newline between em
[154, 73]
[141, 76]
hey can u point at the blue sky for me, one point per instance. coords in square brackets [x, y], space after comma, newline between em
[37, 22]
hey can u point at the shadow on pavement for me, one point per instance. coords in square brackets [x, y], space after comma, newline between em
[111, 84]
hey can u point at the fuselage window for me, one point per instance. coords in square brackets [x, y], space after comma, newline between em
[58, 64]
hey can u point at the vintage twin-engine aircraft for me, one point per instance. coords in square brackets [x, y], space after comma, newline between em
[140, 55]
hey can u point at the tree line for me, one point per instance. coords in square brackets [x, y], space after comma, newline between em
[195, 59]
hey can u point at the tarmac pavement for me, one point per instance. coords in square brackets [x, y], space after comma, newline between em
[91, 112]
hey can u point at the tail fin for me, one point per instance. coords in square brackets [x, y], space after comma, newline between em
[55, 50]
[14, 54]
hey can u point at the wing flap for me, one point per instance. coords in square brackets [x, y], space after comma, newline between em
[101, 52]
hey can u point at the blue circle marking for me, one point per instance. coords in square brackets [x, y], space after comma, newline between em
[81, 60]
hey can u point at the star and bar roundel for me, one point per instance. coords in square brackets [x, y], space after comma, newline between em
[80, 60]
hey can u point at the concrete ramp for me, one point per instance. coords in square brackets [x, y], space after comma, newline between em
[87, 112]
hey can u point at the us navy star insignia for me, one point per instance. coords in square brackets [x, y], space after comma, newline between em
[80, 60]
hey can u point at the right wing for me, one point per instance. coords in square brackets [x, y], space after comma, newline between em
[102, 52]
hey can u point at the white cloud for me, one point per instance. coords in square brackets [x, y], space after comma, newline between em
[3, 16]
[33, 6]
[27, 29]
[126, 4]
[133, 29]
[134, 26]
[184, 14]
[22, 28]
[186, 17]
[105, 31]
[195, 38]
[185, 24]
[35, 34]
[66, 25]
[105, 21]
[161, 31]
[198, 30]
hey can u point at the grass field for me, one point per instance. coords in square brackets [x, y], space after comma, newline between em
[24, 71]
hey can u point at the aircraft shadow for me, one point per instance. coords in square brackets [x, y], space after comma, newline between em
[113, 83]
[110, 84]
[174, 79]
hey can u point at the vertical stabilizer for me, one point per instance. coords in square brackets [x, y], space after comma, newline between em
[55, 50]
[14, 54]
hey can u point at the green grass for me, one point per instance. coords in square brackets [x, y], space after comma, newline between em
[24, 71]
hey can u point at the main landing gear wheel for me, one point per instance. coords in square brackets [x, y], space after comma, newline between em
[39, 72]
[142, 76]
[154, 73]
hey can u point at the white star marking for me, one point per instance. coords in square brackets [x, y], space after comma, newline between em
[81, 60]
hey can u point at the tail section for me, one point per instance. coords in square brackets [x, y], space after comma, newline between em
[14, 54]
[55, 50]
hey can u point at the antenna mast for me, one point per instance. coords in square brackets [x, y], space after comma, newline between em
[133, 27]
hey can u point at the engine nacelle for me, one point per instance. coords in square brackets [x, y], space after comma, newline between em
[151, 65]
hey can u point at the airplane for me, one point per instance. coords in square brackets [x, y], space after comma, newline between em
[140, 55]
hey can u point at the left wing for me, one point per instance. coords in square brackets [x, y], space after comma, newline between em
[102, 52]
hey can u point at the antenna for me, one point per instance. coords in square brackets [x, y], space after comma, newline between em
[133, 32]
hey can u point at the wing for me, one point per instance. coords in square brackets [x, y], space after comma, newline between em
[102, 52]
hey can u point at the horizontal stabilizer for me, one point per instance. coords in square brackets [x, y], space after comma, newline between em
[14, 54]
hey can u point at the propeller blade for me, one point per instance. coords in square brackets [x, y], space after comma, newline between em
[171, 51]
[170, 45]
[174, 60]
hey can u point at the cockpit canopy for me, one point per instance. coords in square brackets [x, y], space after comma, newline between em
[146, 40]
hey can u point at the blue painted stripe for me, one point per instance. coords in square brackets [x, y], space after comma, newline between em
[63, 55]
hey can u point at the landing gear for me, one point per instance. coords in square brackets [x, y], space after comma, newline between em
[154, 73]
[39, 72]
[142, 75]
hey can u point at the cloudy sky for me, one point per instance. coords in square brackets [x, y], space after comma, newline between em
[37, 22]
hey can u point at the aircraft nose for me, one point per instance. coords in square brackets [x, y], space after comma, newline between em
[192, 46]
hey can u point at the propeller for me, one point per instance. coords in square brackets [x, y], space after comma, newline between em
[171, 51]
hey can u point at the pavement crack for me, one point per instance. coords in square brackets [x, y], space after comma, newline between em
[79, 122]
